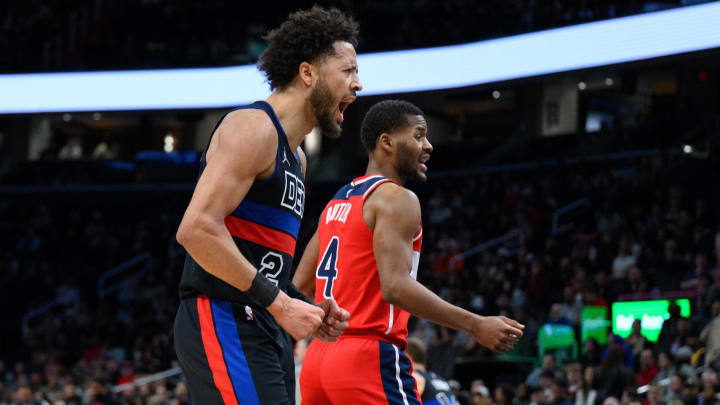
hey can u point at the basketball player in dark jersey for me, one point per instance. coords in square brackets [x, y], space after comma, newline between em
[238, 307]
[433, 389]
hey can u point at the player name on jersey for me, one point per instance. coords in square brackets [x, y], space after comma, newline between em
[338, 212]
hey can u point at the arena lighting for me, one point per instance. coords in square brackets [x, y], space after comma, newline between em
[169, 143]
[601, 43]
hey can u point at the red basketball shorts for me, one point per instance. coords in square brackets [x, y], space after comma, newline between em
[357, 370]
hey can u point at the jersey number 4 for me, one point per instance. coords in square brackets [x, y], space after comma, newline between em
[328, 266]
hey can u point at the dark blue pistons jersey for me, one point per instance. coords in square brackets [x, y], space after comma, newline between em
[264, 225]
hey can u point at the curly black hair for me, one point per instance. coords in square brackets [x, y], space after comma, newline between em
[385, 117]
[306, 36]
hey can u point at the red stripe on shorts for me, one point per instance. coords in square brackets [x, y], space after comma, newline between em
[213, 351]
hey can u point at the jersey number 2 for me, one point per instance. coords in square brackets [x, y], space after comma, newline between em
[328, 266]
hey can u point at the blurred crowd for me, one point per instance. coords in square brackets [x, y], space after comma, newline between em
[642, 235]
[39, 35]
[643, 231]
[85, 343]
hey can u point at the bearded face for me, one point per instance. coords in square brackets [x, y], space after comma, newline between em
[413, 150]
[407, 163]
[324, 104]
[335, 88]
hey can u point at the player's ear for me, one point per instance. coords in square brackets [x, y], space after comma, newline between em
[308, 73]
[386, 142]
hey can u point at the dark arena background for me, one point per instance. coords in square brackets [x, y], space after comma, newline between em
[574, 186]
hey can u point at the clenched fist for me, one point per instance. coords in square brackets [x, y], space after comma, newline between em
[334, 323]
[297, 317]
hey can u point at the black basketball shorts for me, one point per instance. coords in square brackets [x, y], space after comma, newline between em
[228, 355]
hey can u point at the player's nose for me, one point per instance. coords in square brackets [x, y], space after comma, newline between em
[356, 85]
[427, 146]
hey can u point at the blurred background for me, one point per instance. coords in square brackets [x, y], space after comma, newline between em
[578, 198]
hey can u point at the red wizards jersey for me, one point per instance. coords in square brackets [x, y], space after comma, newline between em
[347, 270]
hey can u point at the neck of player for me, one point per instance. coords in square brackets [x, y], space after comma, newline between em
[294, 114]
[385, 169]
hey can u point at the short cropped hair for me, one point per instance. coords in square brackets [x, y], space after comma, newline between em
[416, 350]
[306, 36]
[385, 117]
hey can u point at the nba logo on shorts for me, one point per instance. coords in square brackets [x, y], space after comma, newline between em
[294, 194]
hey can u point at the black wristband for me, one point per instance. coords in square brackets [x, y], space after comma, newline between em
[262, 290]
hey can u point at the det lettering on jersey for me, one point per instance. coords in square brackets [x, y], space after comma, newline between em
[294, 194]
[338, 212]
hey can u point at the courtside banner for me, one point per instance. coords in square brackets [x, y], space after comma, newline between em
[651, 314]
[602, 43]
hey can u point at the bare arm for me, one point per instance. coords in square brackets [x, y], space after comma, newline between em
[393, 213]
[221, 187]
[336, 318]
[304, 278]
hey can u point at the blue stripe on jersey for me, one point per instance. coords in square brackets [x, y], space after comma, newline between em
[348, 190]
[342, 193]
[274, 118]
[237, 365]
[268, 216]
[389, 374]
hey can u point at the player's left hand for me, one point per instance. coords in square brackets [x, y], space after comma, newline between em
[334, 323]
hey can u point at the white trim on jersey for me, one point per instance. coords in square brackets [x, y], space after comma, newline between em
[373, 187]
[392, 320]
[415, 263]
[357, 183]
[418, 236]
[397, 375]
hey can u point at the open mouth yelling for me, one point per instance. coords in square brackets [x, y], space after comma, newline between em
[342, 106]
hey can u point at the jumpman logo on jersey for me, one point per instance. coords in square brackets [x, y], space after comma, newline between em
[285, 159]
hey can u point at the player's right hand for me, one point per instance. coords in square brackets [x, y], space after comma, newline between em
[334, 323]
[297, 317]
[497, 333]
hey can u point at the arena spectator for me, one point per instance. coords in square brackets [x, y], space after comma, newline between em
[710, 336]
[636, 340]
[669, 329]
[648, 368]
[548, 366]
[613, 375]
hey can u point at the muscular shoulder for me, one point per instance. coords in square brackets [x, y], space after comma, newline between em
[249, 125]
[249, 133]
[396, 203]
[395, 198]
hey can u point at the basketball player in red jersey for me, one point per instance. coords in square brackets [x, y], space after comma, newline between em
[365, 255]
